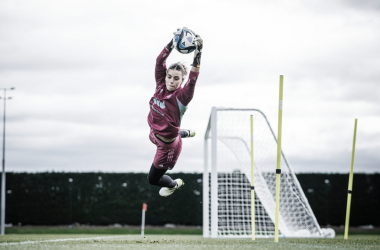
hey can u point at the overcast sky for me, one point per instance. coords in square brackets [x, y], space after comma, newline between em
[84, 74]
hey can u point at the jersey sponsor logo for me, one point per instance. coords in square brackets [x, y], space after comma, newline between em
[159, 103]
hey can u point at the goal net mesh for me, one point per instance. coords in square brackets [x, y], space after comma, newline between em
[233, 161]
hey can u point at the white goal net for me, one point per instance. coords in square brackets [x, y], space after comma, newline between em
[227, 181]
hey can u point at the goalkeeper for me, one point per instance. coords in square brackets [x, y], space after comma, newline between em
[167, 107]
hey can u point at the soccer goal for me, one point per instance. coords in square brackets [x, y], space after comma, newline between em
[227, 181]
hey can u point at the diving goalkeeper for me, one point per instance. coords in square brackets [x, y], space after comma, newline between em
[167, 107]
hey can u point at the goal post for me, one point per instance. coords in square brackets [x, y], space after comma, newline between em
[252, 184]
[227, 181]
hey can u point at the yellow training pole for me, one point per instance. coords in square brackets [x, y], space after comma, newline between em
[350, 185]
[278, 170]
[252, 186]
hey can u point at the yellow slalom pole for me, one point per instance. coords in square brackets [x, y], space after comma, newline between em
[278, 170]
[350, 185]
[252, 186]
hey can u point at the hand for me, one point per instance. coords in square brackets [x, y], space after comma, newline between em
[178, 32]
[170, 45]
[198, 43]
[198, 51]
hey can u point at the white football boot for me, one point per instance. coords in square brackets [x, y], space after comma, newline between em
[186, 133]
[168, 191]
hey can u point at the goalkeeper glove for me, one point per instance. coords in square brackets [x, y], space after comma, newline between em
[170, 45]
[198, 51]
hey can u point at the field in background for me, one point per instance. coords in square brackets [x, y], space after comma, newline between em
[182, 230]
[178, 241]
[103, 230]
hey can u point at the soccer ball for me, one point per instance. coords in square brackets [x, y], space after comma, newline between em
[184, 42]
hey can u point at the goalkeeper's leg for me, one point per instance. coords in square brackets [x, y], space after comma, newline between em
[157, 177]
[168, 186]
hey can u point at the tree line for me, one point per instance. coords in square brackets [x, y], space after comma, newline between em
[109, 198]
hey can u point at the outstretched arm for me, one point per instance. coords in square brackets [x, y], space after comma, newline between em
[160, 70]
[197, 54]
[187, 92]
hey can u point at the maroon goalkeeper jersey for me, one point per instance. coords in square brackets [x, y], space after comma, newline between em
[168, 107]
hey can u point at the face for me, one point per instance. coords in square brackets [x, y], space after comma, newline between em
[173, 79]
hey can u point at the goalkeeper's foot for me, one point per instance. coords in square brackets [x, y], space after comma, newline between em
[184, 133]
[168, 191]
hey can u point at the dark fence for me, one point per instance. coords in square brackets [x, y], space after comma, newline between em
[108, 198]
[99, 198]
[327, 195]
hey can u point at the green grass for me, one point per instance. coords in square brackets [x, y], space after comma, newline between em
[178, 241]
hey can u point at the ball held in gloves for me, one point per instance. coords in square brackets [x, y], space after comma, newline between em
[184, 41]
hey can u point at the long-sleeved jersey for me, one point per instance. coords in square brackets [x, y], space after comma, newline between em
[168, 107]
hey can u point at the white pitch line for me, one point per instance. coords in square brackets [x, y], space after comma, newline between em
[58, 240]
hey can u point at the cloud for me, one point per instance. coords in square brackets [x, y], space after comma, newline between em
[83, 73]
[371, 5]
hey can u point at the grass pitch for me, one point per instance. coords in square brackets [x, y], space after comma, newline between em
[178, 241]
